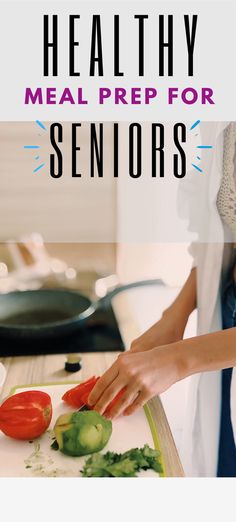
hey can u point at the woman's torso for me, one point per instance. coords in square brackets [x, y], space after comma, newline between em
[213, 260]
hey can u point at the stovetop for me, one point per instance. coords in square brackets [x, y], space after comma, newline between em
[101, 334]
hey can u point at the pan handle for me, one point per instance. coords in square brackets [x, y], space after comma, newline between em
[105, 301]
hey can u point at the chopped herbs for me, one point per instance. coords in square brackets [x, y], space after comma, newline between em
[126, 464]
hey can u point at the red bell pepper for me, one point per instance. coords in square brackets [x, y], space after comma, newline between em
[26, 415]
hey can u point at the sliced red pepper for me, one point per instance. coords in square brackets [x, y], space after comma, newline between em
[74, 396]
[77, 397]
[110, 406]
[86, 394]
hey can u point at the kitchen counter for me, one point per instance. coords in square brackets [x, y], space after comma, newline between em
[50, 368]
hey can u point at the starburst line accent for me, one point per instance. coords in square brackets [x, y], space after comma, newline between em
[40, 124]
[204, 147]
[31, 147]
[39, 167]
[197, 168]
[195, 124]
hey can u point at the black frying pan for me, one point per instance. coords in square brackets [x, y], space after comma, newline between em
[35, 314]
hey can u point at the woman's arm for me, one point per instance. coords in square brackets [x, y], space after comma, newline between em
[170, 328]
[144, 375]
[209, 352]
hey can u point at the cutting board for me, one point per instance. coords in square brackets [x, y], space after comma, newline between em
[37, 459]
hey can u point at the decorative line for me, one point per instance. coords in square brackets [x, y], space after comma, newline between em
[40, 124]
[31, 147]
[198, 158]
[195, 124]
[39, 167]
[196, 167]
[204, 147]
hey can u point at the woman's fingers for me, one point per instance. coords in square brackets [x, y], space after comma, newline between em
[139, 402]
[125, 400]
[108, 395]
[108, 377]
[132, 377]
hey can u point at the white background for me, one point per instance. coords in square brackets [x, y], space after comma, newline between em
[103, 500]
[117, 500]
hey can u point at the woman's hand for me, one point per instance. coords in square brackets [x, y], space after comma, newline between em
[146, 374]
[142, 375]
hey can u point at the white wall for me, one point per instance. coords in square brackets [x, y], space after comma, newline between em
[168, 261]
[65, 209]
